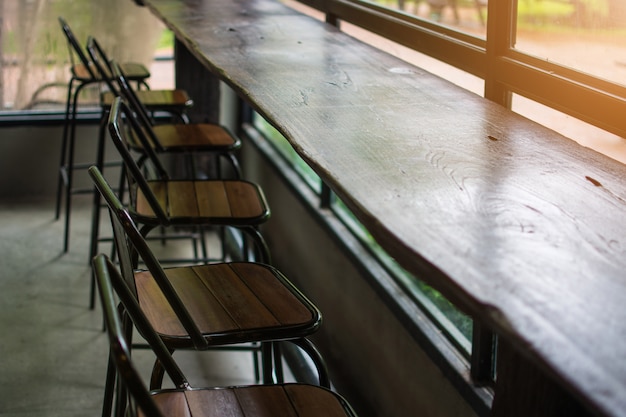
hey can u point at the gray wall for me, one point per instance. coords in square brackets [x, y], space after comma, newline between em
[29, 160]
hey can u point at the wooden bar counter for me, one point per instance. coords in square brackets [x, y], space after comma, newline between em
[521, 227]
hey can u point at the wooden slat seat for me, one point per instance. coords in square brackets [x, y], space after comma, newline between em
[196, 136]
[251, 401]
[171, 101]
[206, 201]
[136, 72]
[230, 303]
[193, 138]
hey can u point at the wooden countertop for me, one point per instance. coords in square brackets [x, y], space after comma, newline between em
[515, 223]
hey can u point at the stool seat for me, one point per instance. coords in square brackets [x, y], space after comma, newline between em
[195, 137]
[169, 101]
[88, 73]
[229, 302]
[203, 202]
[276, 400]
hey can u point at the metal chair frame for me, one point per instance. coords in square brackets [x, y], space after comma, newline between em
[122, 117]
[127, 380]
[67, 164]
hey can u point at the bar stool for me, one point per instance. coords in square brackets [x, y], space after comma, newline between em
[162, 201]
[293, 399]
[218, 305]
[83, 75]
[189, 140]
[175, 102]
[196, 204]
[174, 138]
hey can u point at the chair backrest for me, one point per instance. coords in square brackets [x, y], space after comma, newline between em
[135, 104]
[121, 123]
[126, 236]
[108, 279]
[75, 48]
[102, 63]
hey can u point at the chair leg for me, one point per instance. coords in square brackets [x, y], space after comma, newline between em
[272, 367]
[262, 251]
[158, 372]
[95, 207]
[310, 349]
[62, 162]
[69, 168]
[109, 388]
[278, 363]
[266, 360]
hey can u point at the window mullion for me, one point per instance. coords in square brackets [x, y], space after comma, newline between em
[501, 26]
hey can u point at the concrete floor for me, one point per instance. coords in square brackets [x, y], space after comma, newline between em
[53, 352]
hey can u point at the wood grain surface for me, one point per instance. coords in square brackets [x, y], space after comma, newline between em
[518, 225]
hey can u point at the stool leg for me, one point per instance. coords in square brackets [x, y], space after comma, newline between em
[62, 163]
[95, 214]
[70, 172]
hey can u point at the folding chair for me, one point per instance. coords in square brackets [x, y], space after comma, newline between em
[292, 399]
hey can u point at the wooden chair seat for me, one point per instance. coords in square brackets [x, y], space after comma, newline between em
[230, 303]
[195, 137]
[191, 138]
[251, 401]
[89, 73]
[171, 101]
[210, 202]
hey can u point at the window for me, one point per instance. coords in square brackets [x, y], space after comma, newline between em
[526, 55]
[34, 54]
[456, 326]
[597, 27]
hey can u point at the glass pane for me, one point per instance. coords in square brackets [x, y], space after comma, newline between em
[469, 16]
[587, 35]
[34, 55]
[453, 323]
[585, 134]
[284, 147]
[455, 75]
